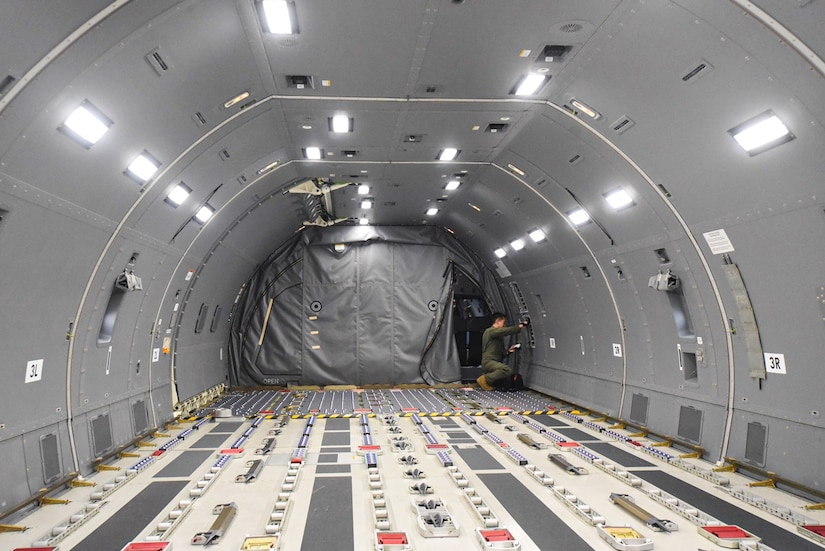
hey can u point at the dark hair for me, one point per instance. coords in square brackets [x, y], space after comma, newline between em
[498, 316]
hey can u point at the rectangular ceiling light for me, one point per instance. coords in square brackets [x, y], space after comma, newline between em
[500, 253]
[761, 133]
[143, 167]
[537, 236]
[363, 221]
[432, 211]
[529, 84]
[204, 214]
[86, 124]
[579, 217]
[618, 198]
[517, 245]
[515, 169]
[363, 189]
[313, 153]
[452, 185]
[178, 194]
[366, 204]
[278, 16]
[341, 124]
[237, 99]
[448, 154]
[584, 108]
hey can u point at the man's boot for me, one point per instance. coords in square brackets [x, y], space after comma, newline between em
[482, 382]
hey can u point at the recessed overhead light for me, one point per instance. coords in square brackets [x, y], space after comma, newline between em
[529, 84]
[448, 154]
[578, 217]
[504, 118]
[326, 82]
[501, 253]
[240, 97]
[278, 16]
[517, 245]
[584, 108]
[143, 167]
[341, 124]
[524, 53]
[543, 70]
[618, 198]
[178, 194]
[313, 153]
[364, 171]
[267, 168]
[452, 184]
[366, 204]
[363, 221]
[761, 133]
[86, 125]
[363, 189]
[204, 213]
[306, 126]
[515, 169]
[475, 207]
[432, 211]
[475, 127]
[537, 235]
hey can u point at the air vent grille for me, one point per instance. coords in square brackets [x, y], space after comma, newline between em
[622, 125]
[199, 119]
[690, 424]
[50, 454]
[696, 72]
[494, 128]
[140, 418]
[101, 434]
[570, 27]
[157, 61]
[553, 53]
[300, 82]
[522, 304]
[575, 159]
[224, 155]
[638, 409]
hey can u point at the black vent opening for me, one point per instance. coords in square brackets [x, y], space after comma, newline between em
[553, 53]
[300, 82]
[6, 84]
[695, 73]
[497, 128]
[157, 61]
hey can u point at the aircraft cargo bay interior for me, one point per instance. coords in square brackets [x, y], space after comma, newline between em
[409, 274]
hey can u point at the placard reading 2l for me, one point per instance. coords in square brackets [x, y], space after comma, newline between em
[775, 363]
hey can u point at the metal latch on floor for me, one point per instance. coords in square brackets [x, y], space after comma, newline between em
[568, 467]
[629, 504]
[252, 473]
[226, 514]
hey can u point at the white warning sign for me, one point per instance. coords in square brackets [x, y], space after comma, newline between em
[775, 363]
[718, 242]
[34, 370]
